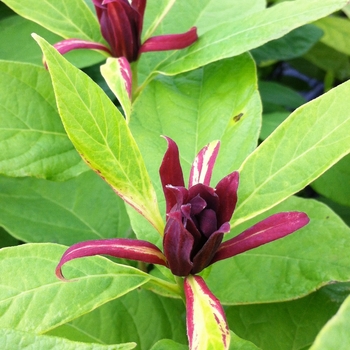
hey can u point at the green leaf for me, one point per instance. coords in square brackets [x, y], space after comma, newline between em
[329, 59]
[292, 45]
[111, 71]
[69, 19]
[238, 343]
[237, 36]
[140, 316]
[287, 97]
[6, 240]
[270, 122]
[187, 109]
[32, 139]
[336, 33]
[68, 212]
[101, 135]
[16, 44]
[303, 147]
[34, 300]
[331, 183]
[288, 268]
[14, 339]
[167, 344]
[335, 334]
[289, 325]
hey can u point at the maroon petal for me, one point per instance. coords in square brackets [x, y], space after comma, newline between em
[204, 257]
[170, 172]
[226, 190]
[207, 222]
[170, 42]
[207, 193]
[272, 228]
[177, 245]
[117, 247]
[202, 167]
[139, 6]
[67, 45]
[120, 27]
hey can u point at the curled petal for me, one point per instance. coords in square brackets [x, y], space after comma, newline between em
[207, 193]
[67, 45]
[117, 247]
[206, 322]
[226, 190]
[202, 167]
[170, 172]
[274, 227]
[170, 42]
[205, 255]
[177, 245]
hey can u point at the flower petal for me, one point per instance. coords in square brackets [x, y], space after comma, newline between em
[205, 318]
[170, 42]
[274, 227]
[120, 27]
[67, 45]
[226, 190]
[118, 247]
[203, 164]
[170, 172]
[204, 256]
[177, 245]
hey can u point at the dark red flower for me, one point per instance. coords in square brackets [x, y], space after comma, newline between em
[197, 219]
[121, 25]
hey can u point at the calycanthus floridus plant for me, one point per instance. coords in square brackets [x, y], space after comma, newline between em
[191, 253]
[197, 219]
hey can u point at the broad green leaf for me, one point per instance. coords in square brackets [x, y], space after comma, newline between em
[33, 299]
[16, 44]
[288, 268]
[303, 147]
[6, 240]
[346, 10]
[336, 33]
[187, 109]
[238, 343]
[330, 60]
[287, 97]
[101, 135]
[237, 36]
[167, 344]
[139, 316]
[14, 339]
[32, 139]
[111, 71]
[335, 182]
[289, 325]
[183, 15]
[270, 122]
[292, 45]
[69, 19]
[335, 334]
[68, 212]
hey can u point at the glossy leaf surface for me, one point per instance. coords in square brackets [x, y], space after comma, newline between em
[101, 135]
[42, 302]
[68, 212]
[32, 138]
